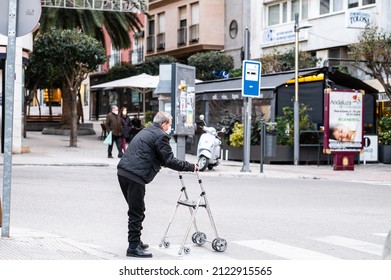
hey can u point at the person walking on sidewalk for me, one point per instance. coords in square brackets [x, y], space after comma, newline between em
[114, 125]
[147, 152]
[126, 124]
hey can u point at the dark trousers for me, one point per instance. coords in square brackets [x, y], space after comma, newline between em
[117, 141]
[134, 195]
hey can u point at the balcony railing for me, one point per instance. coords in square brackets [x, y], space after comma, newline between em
[151, 43]
[194, 33]
[138, 55]
[182, 36]
[161, 41]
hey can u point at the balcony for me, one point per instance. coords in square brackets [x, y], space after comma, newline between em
[182, 36]
[194, 33]
[137, 55]
[151, 43]
[161, 41]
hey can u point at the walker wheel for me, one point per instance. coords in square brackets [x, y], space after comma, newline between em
[199, 238]
[166, 244]
[186, 250]
[219, 244]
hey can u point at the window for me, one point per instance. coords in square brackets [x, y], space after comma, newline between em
[182, 30]
[161, 23]
[304, 9]
[294, 9]
[324, 7]
[274, 14]
[368, 2]
[195, 13]
[233, 29]
[337, 5]
[285, 11]
[182, 17]
[357, 3]
[352, 4]
[328, 6]
[151, 27]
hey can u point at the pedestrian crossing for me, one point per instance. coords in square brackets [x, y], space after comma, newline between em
[331, 247]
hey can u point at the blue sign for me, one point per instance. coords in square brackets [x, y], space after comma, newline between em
[251, 78]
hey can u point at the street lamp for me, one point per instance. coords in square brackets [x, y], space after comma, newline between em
[296, 107]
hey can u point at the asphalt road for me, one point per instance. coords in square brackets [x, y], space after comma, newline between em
[261, 218]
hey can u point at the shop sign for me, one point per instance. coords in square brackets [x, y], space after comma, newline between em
[370, 148]
[357, 19]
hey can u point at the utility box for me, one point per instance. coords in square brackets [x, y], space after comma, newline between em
[176, 91]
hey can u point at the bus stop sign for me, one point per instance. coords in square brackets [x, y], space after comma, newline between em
[251, 78]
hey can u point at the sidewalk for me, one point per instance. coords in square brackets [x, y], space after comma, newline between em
[54, 150]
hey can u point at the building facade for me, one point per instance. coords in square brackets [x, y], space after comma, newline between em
[180, 28]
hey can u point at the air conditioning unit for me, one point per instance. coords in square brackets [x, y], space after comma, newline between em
[161, 46]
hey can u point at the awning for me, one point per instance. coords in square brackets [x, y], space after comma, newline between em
[232, 88]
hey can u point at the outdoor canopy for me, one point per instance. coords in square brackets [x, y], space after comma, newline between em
[142, 83]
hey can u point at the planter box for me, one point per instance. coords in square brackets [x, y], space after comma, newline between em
[385, 154]
[283, 154]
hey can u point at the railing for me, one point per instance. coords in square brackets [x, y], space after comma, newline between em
[137, 55]
[100, 5]
[161, 41]
[151, 43]
[182, 36]
[194, 33]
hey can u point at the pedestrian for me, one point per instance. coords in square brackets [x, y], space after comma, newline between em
[135, 126]
[126, 124]
[146, 154]
[113, 124]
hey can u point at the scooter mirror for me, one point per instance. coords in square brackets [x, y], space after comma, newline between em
[202, 117]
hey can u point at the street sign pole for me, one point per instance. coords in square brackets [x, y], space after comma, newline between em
[251, 85]
[247, 108]
[9, 111]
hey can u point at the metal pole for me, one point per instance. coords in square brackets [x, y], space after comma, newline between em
[296, 107]
[262, 143]
[247, 118]
[9, 110]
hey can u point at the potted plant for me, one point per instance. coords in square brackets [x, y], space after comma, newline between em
[385, 140]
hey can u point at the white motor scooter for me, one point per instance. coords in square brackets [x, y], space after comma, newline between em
[208, 148]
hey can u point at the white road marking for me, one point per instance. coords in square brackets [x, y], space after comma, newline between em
[284, 251]
[354, 244]
[196, 252]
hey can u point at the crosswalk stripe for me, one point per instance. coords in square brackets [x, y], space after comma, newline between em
[196, 252]
[284, 251]
[382, 234]
[354, 244]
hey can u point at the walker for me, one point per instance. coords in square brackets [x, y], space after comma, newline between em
[198, 237]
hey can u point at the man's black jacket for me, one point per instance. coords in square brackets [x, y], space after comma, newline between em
[147, 152]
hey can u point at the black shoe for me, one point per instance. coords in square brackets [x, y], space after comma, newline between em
[110, 156]
[138, 253]
[120, 156]
[144, 246]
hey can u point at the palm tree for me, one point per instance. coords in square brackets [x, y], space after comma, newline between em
[92, 22]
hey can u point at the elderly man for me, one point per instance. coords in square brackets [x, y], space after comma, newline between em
[147, 152]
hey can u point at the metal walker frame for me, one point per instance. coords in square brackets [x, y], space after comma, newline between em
[199, 238]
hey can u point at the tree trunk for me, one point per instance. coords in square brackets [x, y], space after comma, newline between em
[69, 114]
[66, 118]
[73, 136]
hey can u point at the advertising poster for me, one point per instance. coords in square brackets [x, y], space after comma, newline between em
[345, 122]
